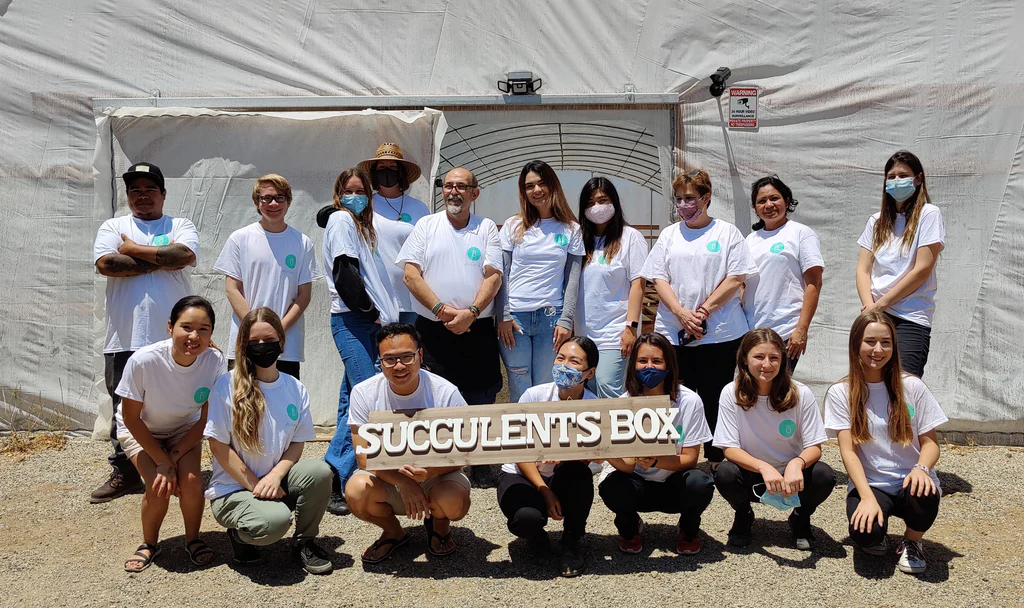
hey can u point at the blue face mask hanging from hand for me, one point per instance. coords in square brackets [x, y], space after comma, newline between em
[355, 202]
[780, 502]
[900, 189]
[650, 376]
[566, 377]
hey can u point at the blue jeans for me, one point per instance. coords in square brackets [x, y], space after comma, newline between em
[353, 335]
[529, 362]
[609, 381]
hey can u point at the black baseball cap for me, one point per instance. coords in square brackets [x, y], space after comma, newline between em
[147, 170]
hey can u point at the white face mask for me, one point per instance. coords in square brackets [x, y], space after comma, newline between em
[600, 213]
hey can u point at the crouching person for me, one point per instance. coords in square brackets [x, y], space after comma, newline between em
[258, 423]
[437, 495]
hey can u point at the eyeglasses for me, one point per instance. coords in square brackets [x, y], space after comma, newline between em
[267, 199]
[392, 360]
[459, 187]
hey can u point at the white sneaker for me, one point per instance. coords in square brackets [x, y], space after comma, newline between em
[880, 549]
[911, 557]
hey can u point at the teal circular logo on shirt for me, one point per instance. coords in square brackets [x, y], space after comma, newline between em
[293, 412]
[161, 239]
[561, 240]
[787, 428]
[911, 410]
[473, 253]
[682, 435]
[405, 217]
[602, 260]
[201, 395]
[777, 248]
[714, 247]
[290, 261]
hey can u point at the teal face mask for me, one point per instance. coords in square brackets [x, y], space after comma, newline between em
[355, 202]
[780, 502]
[901, 188]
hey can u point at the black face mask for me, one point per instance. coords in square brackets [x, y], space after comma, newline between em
[386, 177]
[263, 354]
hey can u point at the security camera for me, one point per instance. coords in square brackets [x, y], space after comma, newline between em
[718, 81]
[520, 83]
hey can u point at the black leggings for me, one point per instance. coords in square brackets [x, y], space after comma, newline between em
[919, 513]
[526, 511]
[685, 492]
[914, 341]
[706, 369]
[736, 484]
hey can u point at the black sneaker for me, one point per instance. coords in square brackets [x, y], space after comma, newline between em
[572, 563]
[245, 553]
[739, 534]
[117, 485]
[801, 528]
[483, 476]
[314, 559]
[539, 544]
[338, 506]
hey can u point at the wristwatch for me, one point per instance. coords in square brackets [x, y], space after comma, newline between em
[633, 324]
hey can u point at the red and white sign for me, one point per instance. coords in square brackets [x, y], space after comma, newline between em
[742, 107]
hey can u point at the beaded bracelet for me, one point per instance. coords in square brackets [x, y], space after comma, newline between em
[474, 310]
[437, 307]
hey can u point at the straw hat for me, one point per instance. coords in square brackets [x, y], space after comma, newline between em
[391, 151]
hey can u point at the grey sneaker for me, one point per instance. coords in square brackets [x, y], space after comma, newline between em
[117, 485]
[314, 559]
[911, 557]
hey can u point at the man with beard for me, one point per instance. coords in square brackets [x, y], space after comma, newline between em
[452, 264]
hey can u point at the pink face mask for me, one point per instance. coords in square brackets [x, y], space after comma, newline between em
[687, 209]
[600, 213]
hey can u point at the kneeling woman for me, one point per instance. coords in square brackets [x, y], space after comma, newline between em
[668, 484]
[531, 492]
[164, 393]
[259, 421]
[771, 430]
[885, 420]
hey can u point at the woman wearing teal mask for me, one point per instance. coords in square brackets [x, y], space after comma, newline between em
[899, 248]
[529, 493]
[667, 484]
[362, 298]
[771, 431]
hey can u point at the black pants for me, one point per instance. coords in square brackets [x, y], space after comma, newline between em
[685, 492]
[919, 513]
[527, 513]
[706, 369]
[470, 360]
[113, 369]
[285, 367]
[914, 341]
[736, 484]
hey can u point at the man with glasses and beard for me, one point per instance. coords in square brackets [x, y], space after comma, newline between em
[452, 264]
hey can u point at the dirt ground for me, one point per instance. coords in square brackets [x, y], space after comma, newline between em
[56, 549]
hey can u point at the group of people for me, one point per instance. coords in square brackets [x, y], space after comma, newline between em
[425, 307]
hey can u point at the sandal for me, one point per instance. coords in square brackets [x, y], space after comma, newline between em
[394, 543]
[141, 557]
[428, 523]
[201, 550]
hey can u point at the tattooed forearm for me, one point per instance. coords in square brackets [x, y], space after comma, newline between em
[120, 265]
[174, 255]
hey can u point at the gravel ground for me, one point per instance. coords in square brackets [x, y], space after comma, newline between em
[56, 549]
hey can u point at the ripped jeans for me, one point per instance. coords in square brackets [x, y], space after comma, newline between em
[529, 362]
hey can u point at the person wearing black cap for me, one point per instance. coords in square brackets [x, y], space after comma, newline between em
[145, 257]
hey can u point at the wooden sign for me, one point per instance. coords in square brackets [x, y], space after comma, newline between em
[593, 429]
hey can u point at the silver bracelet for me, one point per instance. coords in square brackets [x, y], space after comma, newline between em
[923, 468]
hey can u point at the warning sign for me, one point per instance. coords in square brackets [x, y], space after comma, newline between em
[742, 108]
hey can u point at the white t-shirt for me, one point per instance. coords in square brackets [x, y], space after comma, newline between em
[538, 261]
[693, 431]
[138, 307]
[171, 395]
[886, 463]
[271, 266]
[397, 216]
[695, 262]
[775, 296]
[539, 394]
[765, 434]
[375, 395]
[604, 290]
[286, 420]
[891, 264]
[453, 261]
[342, 237]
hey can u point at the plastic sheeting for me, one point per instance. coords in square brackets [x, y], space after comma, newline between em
[843, 85]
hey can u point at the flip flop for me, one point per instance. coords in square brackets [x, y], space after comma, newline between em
[428, 523]
[201, 550]
[142, 557]
[394, 543]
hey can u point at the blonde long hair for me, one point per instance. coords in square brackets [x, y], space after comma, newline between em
[900, 428]
[559, 206]
[249, 401]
